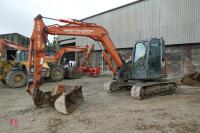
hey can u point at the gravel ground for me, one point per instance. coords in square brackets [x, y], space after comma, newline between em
[102, 112]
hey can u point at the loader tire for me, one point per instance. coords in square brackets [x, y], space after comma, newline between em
[57, 73]
[16, 79]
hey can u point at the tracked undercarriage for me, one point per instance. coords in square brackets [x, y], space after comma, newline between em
[143, 89]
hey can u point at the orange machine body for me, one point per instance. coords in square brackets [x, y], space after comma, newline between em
[59, 53]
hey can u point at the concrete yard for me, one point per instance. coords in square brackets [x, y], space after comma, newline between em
[102, 112]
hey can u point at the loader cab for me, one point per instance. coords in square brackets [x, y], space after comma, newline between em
[10, 54]
[21, 56]
[148, 59]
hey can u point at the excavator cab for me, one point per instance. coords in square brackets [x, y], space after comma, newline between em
[148, 59]
[146, 71]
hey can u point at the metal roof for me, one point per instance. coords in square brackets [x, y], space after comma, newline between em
[14, 33]
[131, 3]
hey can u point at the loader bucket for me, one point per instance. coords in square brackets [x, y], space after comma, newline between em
[69, 100]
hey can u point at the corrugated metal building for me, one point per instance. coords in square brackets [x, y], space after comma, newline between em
[177, 21]
[17, 38]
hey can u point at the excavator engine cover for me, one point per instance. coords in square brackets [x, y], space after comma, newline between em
[70, 99]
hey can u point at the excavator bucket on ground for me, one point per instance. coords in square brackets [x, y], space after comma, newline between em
[64, 98]
[191, 79]
[70, 99]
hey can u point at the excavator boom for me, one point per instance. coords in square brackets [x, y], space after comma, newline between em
[39, 38]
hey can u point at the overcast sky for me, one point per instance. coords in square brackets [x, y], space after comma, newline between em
[17, 15]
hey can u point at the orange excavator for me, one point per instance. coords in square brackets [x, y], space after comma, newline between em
[143, 74]
[70, 72]
[59, 53]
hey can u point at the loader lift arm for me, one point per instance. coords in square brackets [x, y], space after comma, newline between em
[11, 44]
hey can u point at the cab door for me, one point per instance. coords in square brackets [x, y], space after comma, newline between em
[155, 58]
[139, 61]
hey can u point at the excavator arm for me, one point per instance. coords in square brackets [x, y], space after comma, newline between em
[59, 53]
[87, 54]
[37, 55]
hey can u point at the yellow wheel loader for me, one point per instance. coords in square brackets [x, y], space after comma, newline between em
[14, 73]
[14, 65]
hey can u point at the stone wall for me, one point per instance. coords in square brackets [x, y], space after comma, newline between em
[182, 59]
